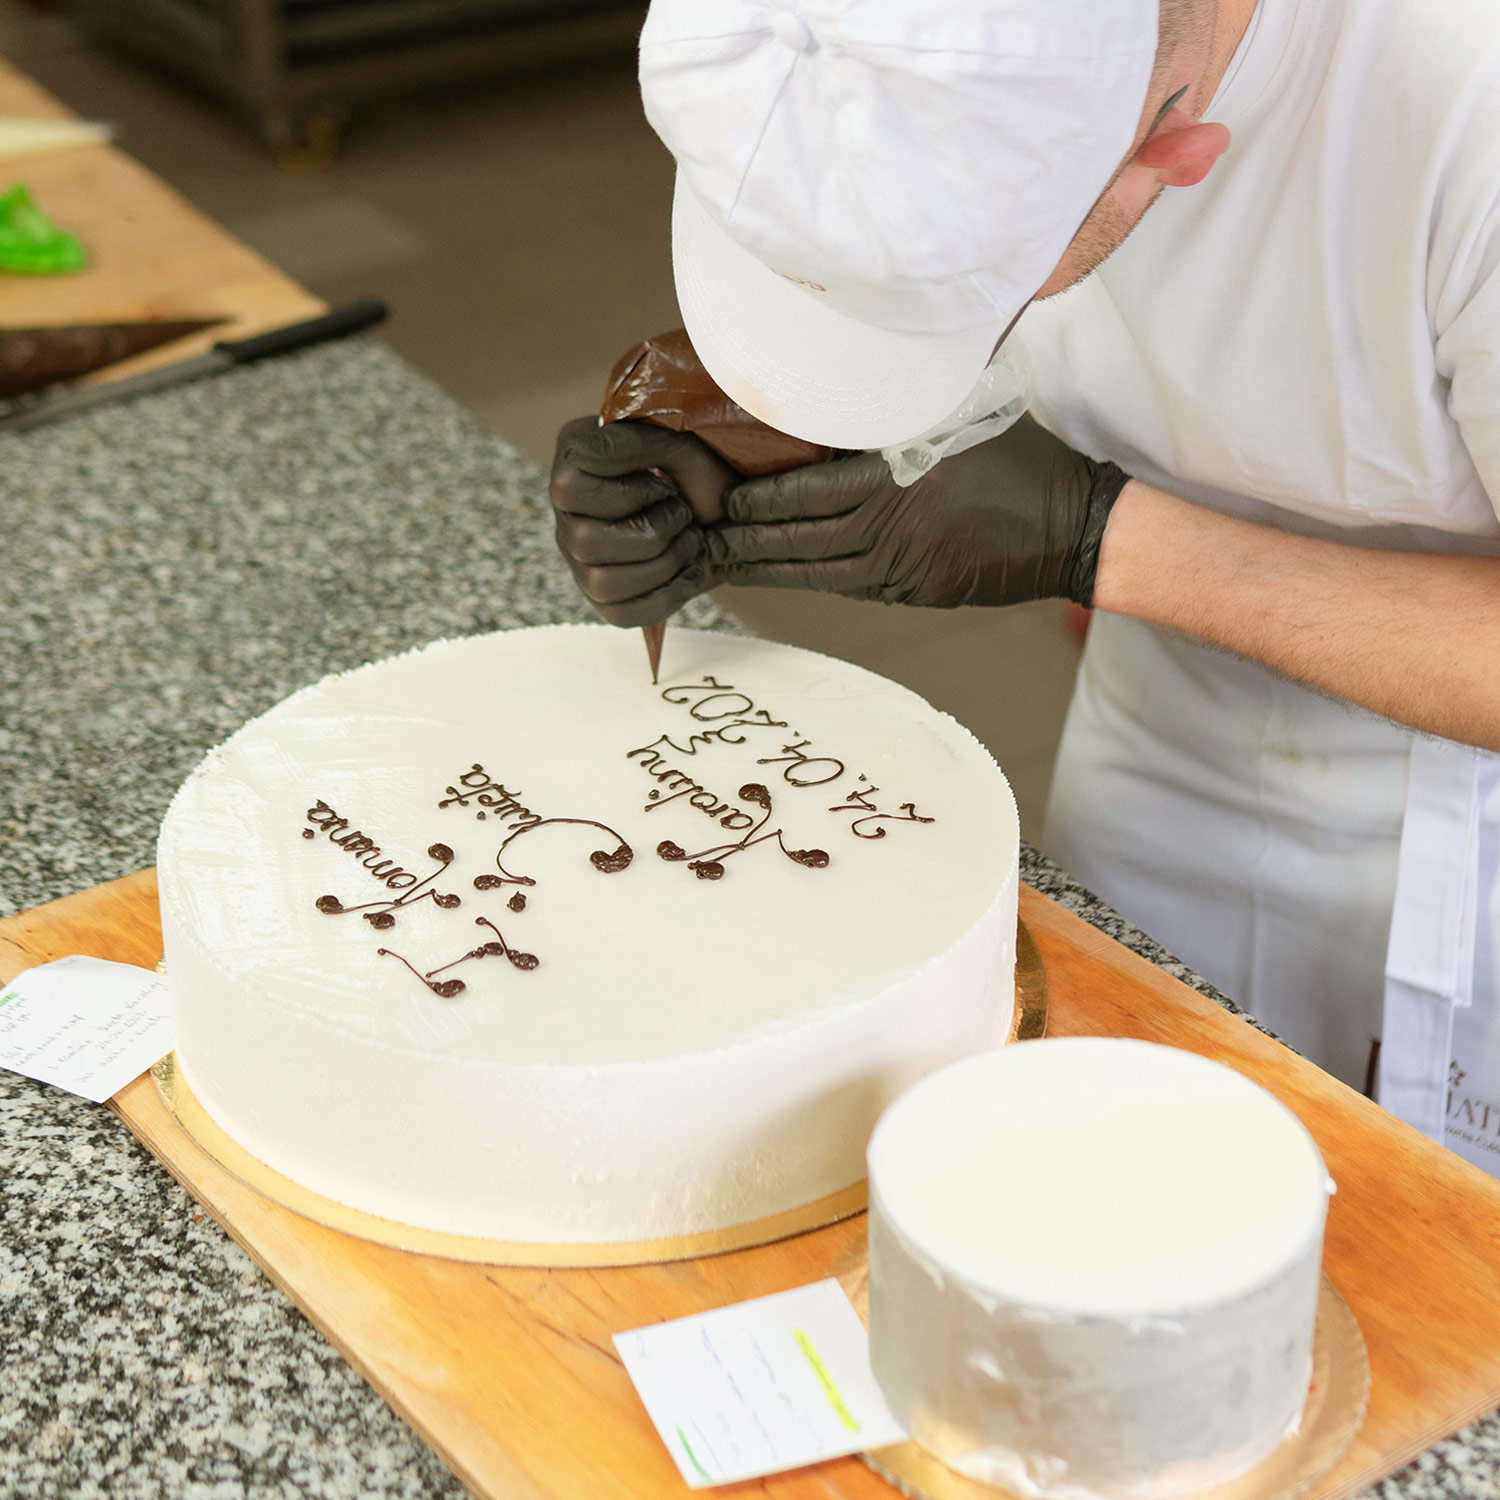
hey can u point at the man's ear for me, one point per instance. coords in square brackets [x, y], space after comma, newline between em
[1182, 150]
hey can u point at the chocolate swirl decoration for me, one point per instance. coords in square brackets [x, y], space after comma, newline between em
[445, 989]
[606, 861]
[708, 864]
[382, 914]
[496, 947]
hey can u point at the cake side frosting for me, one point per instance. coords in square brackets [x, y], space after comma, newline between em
[636, 1045]
[1094, 1268]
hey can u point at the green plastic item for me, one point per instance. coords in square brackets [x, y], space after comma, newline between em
[30, 242]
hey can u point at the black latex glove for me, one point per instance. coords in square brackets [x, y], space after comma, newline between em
[631, 503]
[1019, 517]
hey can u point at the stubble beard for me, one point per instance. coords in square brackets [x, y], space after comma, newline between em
[1106, 228]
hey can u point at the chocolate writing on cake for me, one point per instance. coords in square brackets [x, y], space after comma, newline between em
[731, 717]
[721, 714]
[476, 785]
[708, 864]
[475, 788]
[324, 819]
[860, 799]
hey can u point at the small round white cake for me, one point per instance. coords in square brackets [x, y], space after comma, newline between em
[499, 938]
[1094, 1268]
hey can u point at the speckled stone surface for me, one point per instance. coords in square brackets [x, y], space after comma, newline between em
[168, 570]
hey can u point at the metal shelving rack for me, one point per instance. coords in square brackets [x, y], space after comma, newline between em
[292, 68]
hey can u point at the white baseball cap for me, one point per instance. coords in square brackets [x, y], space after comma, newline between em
[870, 191]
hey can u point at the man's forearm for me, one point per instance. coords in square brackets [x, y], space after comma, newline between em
[1410, 635]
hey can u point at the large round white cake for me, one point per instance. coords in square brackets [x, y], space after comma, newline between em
[1094, 1268]
[501, 939]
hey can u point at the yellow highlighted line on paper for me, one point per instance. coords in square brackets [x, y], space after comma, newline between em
[835, 1398]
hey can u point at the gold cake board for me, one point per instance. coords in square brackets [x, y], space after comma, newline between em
[1028, 1021]
[509, 1372]
[1338, 1395]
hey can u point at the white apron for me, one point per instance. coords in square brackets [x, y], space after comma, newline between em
[1266, 834]
[1307, 339]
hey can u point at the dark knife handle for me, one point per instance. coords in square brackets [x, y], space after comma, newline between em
[353, 317]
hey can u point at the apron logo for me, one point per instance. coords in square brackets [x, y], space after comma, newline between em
[1471, 1120]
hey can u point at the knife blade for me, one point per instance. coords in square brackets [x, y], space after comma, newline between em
[353, 317]
[34, 359]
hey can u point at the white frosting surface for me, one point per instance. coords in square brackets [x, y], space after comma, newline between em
[686, 1052]
[1099, 1176]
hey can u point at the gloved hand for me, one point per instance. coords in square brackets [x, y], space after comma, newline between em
[1019, 517]
[631, 502]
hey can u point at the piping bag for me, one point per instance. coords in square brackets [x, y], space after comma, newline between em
[662, 382]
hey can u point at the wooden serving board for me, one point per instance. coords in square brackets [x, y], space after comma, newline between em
[151, 253]
[510, 1374]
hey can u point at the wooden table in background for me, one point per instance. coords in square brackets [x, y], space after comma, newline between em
[510, 1373]
[151, 253]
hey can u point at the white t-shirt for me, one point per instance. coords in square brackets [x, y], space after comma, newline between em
[1309, 339]
[1311, 336]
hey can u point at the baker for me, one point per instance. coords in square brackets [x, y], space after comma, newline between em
[1264, 444]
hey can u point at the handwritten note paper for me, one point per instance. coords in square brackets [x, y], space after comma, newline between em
[84, 1024]
[760, 1386]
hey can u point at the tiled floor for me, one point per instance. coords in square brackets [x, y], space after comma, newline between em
[519, 233]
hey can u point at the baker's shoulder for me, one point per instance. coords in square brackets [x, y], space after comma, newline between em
[1444, 51]
[1416, 103]
[1426, 136]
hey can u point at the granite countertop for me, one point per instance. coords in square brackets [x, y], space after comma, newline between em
[171, 568]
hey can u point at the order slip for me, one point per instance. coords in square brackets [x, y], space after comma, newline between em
[84, 1024]
[760, 1386]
